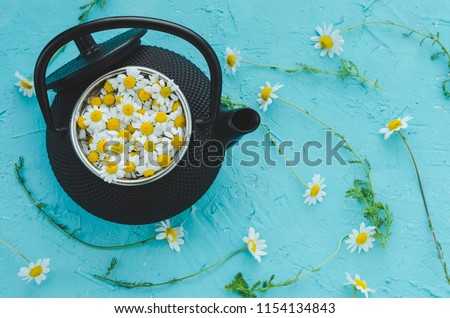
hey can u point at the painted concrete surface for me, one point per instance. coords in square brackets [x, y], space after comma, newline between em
[268, 198]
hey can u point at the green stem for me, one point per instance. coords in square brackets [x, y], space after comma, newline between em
[430, 224]
[59, 227]
[15, 250]
[150, 284]
[276, 67]
[354, 292]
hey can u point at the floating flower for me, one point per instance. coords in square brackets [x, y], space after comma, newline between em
[112, 171]
[330, 42]
[315, 191]
[395, 125]
[164, 92]
[254, 245]
[359, 284]
[266, 95]
[35, 271]
[25, 85]
[363, 240]
[171, 235]
[233, 60]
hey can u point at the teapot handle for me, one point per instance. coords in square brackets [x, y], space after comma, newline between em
[126, 22]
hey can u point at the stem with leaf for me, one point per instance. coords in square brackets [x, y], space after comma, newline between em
[63, 228]
[88, 7]
[151, 284]
[430, 224]
[14, 250]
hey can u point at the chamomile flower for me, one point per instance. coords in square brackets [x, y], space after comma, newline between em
[359, 284]
[233, 60]
[25, 85]
[267, 94]
[81, 127]
[36, 271]
[126, 83]
[363, 240]
[254, 245]
[164, 92]
[315, 191]
[96, 118]
[394, 125]
[144, 124]
[113, 119]
[127, 109]
[112, 171]
[131, 164]
[172, 235]
[100, 142]
[149, 168]
[330, 42]
[144, 97]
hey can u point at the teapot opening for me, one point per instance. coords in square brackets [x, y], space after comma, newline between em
[245, 120]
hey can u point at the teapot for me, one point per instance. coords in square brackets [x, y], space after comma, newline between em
[209, 127]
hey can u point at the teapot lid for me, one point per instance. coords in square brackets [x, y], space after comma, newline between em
[94, 59]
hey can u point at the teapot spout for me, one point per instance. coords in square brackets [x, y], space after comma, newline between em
[231, 125]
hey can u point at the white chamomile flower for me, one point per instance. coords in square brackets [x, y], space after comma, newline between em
[25, 85]
[112, 171]
[315, 191]
[113, 122]
[233, 60]
[149, 168]
[164, 92]
[127, 109]
[329, 42]
[131, 164]
[144, 97]
[100, 141]
[254, 245]
[81, 127]
[144, 125]
[35, 271]
[394, 125]
[96, 118]
[267, 94]
[359, 284]
[126, 83]
[363, 240]
[171, 235]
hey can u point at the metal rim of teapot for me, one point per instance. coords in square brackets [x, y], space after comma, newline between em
[140, 180]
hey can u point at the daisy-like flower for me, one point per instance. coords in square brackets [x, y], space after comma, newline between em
[112, 171]
[315, 191]
[113, 122]
[330, 42]
[144, 125]
[25, 85]
[254, 245]
[359, 284]
[126, 83]
[394, 125]
[149, 168]
[267, 94]
[100, 141]
[131, 164]
[96, 118]
[233, 60]
[164, 92]
[363, 240]
[82, 127]
[173, 235]
[35, 271]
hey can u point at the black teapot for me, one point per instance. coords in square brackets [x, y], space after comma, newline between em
[211, 127]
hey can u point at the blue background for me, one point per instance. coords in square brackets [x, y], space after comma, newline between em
[268, 198]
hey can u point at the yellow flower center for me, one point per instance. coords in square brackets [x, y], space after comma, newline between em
[144, 95]
[113, 124]
[93, 156]
[175, 105]
[102, 146]
[177, 141]
[180, 121]
[36, 271]
[96, 101]
[315, 190]
[117, 148]
[251, 246]
[171, 236]
[129, 166]
[129, 82]
[141, 111]
[361, 283]
[128, 110]
[395, 124]
[164, 160]
[231, 59]
[109, 99]
[149, 173]
[361, 238]
[90, 140]
[149, 146]
[25, 84]
[160, 117]
[326, 42]
[125, 134]
[81, 123]
[146, 128]
[131, 129]
[96, 116]
[118, 99]
[111, 168]
[165, 92]
[155, 103]
[108, 87]
[265, 93]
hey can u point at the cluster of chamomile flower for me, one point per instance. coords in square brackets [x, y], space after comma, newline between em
[133, 126]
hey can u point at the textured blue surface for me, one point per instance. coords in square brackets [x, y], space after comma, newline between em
[268, 198]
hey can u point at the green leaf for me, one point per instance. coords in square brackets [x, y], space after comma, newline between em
[111, 267]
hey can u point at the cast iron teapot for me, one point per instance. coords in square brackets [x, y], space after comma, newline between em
[212, 127]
